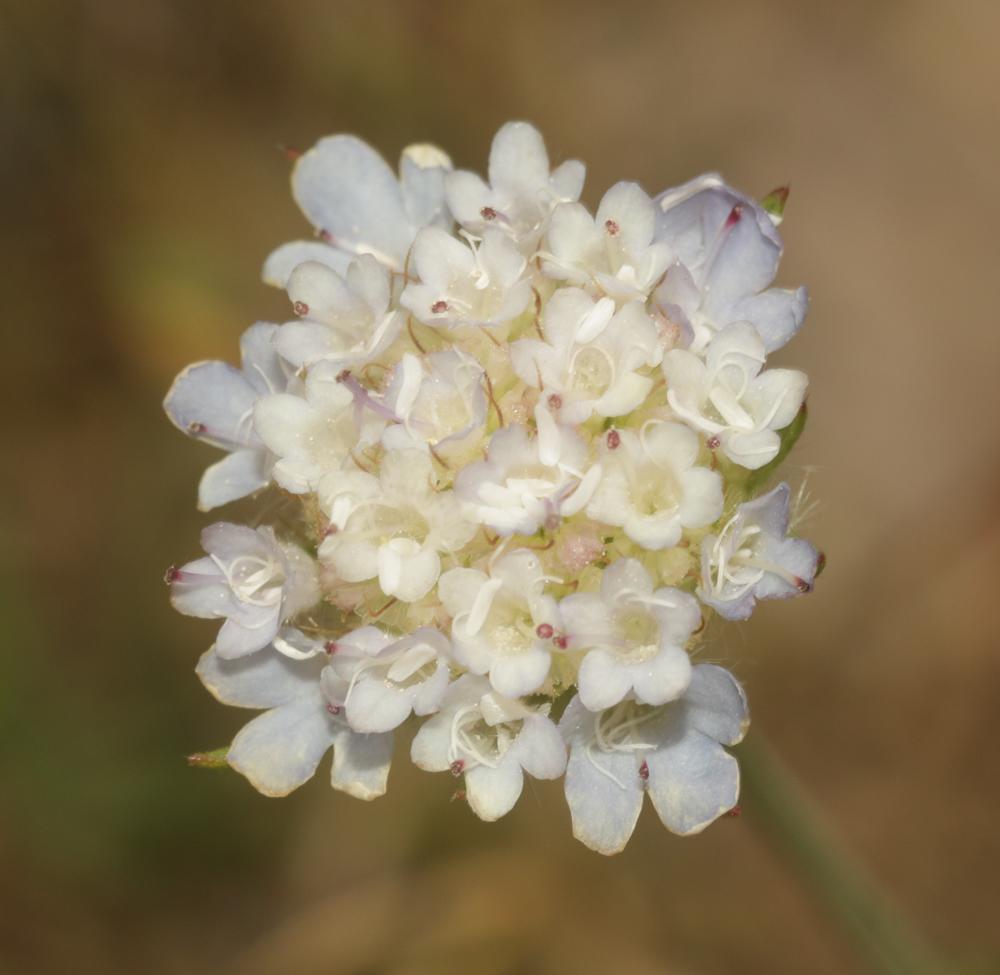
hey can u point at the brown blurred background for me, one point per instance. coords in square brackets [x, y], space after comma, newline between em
[141, 190]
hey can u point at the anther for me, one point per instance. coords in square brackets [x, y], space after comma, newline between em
[820, 562]
[611, 226]
[458, 796]
[555, 401]
[343, 375]
[488, 213]
[171, 575]
[439, 306]
[331, 647]
[552, 522]
[613, 440]
[457, 767]
[644, 771]
[734, 813]
[300, 308]
[330, 529]
[734, 216]
[333, 709]
[290, 153]
[326, 236]
[196, 428]
[561, 641]
[544, 631]
[802, 585]
[713, 442]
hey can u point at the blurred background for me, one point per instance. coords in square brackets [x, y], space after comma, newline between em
[142, 187]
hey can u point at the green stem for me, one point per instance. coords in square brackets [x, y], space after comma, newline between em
[796, 828]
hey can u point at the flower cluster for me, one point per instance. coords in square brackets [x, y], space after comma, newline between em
[514, 454]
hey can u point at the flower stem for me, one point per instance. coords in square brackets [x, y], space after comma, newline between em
[797, 829]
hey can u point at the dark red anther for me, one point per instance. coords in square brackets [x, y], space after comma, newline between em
[331, 647]
[644, 771]
[611, 226]
[343, 375]
[171, 575]
[734, 216]
[330, 529]
[544, 631]
[820, 562]
[300, 308]
[458, 796]
[613, 440]
[554, 401]
[196, 428]
[713, 442]
[326, 236]
[439, 306]
[290, 153]
[457, 767]
[334, 709]
[802, 585]
[735, 812]
[561, 641]
[488, 213]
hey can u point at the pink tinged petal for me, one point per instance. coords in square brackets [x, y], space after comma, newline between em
[236, 476]
[602, 681]
[516, 674]
[518, 160]
[692, 782]
[750, 450]
[321, 294]
[213, 401]
[281, 262]
[361, 763]
[663, 678]
[281, 749]
[702, 497]
[493, 792]
[254, 630]
[466, 194]
[375, 707]
[540, 749]
[200, 589]
[264, 680]
[603, 789]
[798, 558]
[632, 213]
[715, 705]
[346, 190]
[777, 314]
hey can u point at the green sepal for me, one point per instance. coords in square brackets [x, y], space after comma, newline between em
[774, 202]
[211, 759]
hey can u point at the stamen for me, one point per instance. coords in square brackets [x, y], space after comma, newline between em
[439, 307]
[300, 308]
[613, 440]
[544, 631]
[612, 227]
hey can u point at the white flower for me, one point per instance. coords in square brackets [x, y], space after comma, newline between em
[752, 558]
[379, 680]
[346, 319]
[616, 250]
[437, 399]
[634, 636]
[317, 431]
[591, 357]
[478, 281]
[503, 623]
[728, 253]
[651, 487]
[492, 741]
[393, 526]
[528, 481]
[521, 191]
[281, 749]
[674, 752]
[249, 579]
[214, 401]
[357, 205]
[728, 396]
